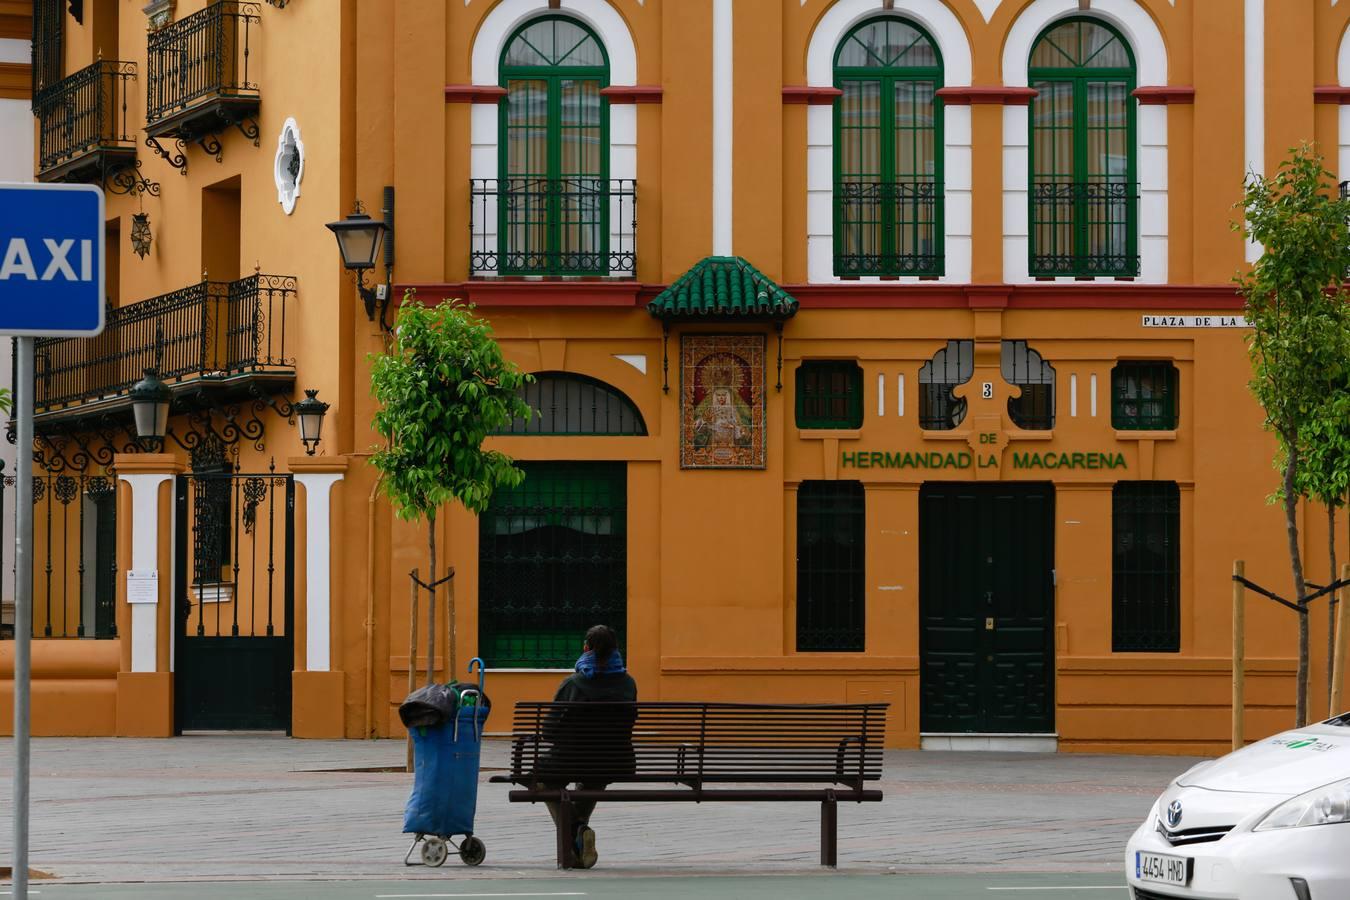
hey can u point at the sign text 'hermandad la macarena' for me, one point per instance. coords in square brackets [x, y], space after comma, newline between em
[934, 459]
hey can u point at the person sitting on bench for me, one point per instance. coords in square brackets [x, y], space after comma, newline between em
[602, 740]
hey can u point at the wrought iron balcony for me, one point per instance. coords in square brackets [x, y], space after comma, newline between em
[225, 337]
[887, 228]
[198, 79]
[1084, 229]
[82, 124]
[577, 226]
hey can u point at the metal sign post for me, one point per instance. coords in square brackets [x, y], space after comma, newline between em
[51, 283]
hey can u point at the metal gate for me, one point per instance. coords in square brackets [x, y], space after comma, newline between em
[234, 601]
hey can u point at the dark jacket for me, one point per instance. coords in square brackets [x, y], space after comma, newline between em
[595, 742]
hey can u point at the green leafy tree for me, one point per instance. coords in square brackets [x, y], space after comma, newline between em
[6, 401]
[1300, 342]
[443, 386]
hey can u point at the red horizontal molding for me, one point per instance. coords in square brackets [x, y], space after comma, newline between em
[992, 96]
[473, 93]
[1333, 94]
[632, 93]
[519, 292]
[811, 96]
[1111, 295]
[1162, 96]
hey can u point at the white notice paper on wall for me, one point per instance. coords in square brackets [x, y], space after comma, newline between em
[143, 586]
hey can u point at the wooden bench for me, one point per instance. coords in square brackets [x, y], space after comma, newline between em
[817, 753]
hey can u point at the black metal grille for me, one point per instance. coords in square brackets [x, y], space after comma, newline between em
[565, 403]
[212, 329]
[829, 394]
[202, 55]
[553, 226]
[1084, 228]
[1024, 368]
[1144, 396]
[831, 562]
[74, 558]
[552, 561]
[1142, 894]
[888, 228]
[48, 51]
[950, 367]
[1146, 567]
[84, 112]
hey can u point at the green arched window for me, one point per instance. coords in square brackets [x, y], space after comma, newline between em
[1084, 196]
[888, 151]
[552, 200]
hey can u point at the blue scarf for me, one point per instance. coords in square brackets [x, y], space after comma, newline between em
[589, 667]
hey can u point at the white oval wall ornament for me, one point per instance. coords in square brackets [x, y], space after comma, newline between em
[290, 165]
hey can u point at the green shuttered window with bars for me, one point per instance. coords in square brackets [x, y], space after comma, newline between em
[829, 394]
[1146, 567]
[831, 566]
[1084, 195]
[552, 561]
[888, 152]
[1144, 396]
[553, 200]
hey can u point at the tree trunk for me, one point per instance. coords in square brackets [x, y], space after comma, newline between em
[1331, 604]
[431, 607]
[1300, 590]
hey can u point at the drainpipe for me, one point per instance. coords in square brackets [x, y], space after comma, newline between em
[370, 607]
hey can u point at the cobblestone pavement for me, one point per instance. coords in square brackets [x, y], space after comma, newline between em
[263, 806]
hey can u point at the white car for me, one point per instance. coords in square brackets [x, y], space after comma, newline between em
[1268, 822]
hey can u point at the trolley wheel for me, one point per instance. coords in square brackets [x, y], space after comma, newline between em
[434, 851]
[472, 851]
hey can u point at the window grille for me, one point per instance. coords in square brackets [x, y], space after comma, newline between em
[1023, 367]
[1144, 396]
[568, 404]
[831, 566]
[950, 367]
[1084, 197]
[888, 152]
[47, 48]
[1146, 567]
[829, 394]
[552, 562]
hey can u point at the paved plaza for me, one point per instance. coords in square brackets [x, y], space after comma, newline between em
[234, 808]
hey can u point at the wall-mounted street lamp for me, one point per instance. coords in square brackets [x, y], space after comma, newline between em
[359, 239]
[140, 234]
[311, 411]
[150, 410]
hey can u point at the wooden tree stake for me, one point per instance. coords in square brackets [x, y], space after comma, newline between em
[1239, 651]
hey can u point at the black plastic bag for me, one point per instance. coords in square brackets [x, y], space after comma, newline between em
[429, 706]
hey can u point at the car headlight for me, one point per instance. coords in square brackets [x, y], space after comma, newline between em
[1327, 805]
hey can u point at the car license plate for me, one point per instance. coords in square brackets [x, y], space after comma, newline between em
[1160, 868]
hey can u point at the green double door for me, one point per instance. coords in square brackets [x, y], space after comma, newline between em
[986, 608]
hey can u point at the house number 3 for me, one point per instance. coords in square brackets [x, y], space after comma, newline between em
[988, 392]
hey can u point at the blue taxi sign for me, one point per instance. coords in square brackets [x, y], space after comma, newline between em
[51, 260]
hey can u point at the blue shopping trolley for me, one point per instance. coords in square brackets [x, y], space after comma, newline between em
[445, 777]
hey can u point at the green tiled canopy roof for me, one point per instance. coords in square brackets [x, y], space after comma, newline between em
[723, 287]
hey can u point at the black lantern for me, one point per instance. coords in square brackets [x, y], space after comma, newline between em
[150, 409]
[359, 239]
[140, 234]
[311, 411]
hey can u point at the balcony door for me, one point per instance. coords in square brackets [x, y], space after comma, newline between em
[1084, 198]
[553, 205]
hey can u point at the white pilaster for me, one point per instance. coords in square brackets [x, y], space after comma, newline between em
[722, 127]
[145, 557]
[1254, 95]
[318, 567]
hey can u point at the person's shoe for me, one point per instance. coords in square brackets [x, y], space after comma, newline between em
[586, 855]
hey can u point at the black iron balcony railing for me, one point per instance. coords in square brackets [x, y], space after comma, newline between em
[199, 57]
[548, 226]
[1084, 229]
[211, 330]
[887, 228]
[82, 123]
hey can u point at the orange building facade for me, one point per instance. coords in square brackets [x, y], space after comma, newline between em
[883, 351]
